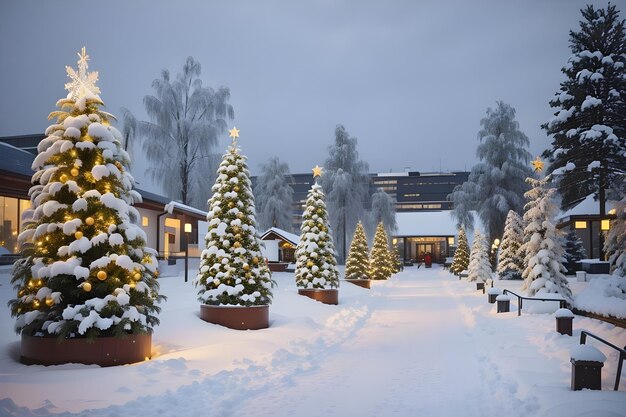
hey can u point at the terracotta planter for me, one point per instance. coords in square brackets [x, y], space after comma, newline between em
[103, 351]
[325, 296]
[237, 317]
[364, 283]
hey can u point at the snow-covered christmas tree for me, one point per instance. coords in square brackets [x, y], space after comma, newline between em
[511, 260]
[316, 265]
[357, 265]
[460, 261]
[574, 250]
[615, 243]
[380, 265]
[479, 266]
[543, 243]
[394, 258]
[85, 270]
[232, 269]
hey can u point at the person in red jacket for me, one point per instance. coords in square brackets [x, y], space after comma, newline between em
[428, 261]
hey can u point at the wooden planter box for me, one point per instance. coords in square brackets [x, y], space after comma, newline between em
[364, 283]
[237, 317]
[586, 374]
[325, 296]
[564, 325]
[103, 351]
[480, 286]
[503, 304]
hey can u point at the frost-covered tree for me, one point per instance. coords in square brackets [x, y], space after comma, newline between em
[347, 186]
[588, 130]
[495, 185]
[274, 196]
[357, 265]
[460, 262]
[85, 270]
[380, 265]
[543, 243]
[511, 259]
[232, 270]
[479, 266]
[316, 266]
[187, 120]
[615, 243]
[394, 258]
[574, 250]
[383, 210]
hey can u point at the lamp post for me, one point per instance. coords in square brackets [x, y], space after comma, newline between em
[187, 231]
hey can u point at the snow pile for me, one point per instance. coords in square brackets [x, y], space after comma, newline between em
[604, 296]
[587, 353]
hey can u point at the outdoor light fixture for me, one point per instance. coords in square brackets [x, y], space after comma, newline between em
[187, 227]
[144, 221]
[580, 225]
[187, 231]
[605, 224]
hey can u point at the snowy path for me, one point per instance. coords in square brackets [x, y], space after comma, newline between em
[422, 343]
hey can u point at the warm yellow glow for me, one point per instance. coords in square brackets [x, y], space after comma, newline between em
[78, 235]
[144, 221]
[89, 221]
[451, 241]
[86, 287]
[175, 223]
[605, 224]
[74, 172]
[496, 242]
[580, 225]
[102, 275]
[317, 171]
[612, 211]
[537, 164]
[394, 241]
[233, 133]
[187, 227]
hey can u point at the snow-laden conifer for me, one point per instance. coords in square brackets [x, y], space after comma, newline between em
[316, 265]
[588, 150]
[461, 258]
[511, 259]
[357, 265]
[232, 269]
[574, 250]
[85, 270]
[615, 244]
[380, 265]
[543, 243]
[479, 266]
[383, 210]
[274, 196]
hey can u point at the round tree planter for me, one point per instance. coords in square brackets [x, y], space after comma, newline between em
[103, 351]
[364, 283]
[237, 317]
[330, 296]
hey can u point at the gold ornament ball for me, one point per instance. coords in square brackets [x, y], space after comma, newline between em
[231, 204]
[238, 236]
[255, 260]
[237, 245]
[246, 267]
[309, 264]
[132, 285]
[137, 276]
[74, 172]
[86, 287]
[63, 178]
[236, 188]
[78, 235]
[102, 275]
[49, 302]
[240, 215]
[89, 221]
[248, 275]
[35, 303]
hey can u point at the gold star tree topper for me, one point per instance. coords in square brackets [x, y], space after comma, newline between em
[317, 171]
[83, 83]
[234, 134]
[537, 164]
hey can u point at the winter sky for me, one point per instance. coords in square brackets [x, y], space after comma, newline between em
[410, 79]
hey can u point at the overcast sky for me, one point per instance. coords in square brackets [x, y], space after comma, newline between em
[410, 79]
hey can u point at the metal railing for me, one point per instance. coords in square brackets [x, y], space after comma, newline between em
[520, 299]
[622, 353]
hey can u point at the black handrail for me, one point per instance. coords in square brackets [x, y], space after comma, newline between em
[622, 353]
[562, 303]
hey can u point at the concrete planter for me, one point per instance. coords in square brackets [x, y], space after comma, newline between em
[503, 303]
[103, 351]
[330, 296]
[363, 283]
[237, 317]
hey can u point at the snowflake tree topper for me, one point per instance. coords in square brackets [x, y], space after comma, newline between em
[83, 83]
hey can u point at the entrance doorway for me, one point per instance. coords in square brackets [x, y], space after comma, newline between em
[422, 249]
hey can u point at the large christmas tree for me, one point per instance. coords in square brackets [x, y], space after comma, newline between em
[460, 261]
[380, 265]
[232, 269]
[511, 259]
[357, 265]
[316, 265]
[85, 270]
[479, 266]
[543, 243]
[615, 244]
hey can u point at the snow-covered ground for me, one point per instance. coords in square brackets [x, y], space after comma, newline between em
[422, 343]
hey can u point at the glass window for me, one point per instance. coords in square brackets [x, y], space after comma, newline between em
[9, 223]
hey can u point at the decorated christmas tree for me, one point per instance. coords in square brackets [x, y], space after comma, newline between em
[394, 257]
[511, 260]
[543, 243]
[380, 265]
[357, 265]
[232, 270]
[461, 255]
[316, 265]
[479, 266]
[574, 250]
[85, 270]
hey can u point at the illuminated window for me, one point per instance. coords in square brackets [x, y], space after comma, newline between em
[580, 225]
[451, 241]
[144, 221]
[605, 224]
